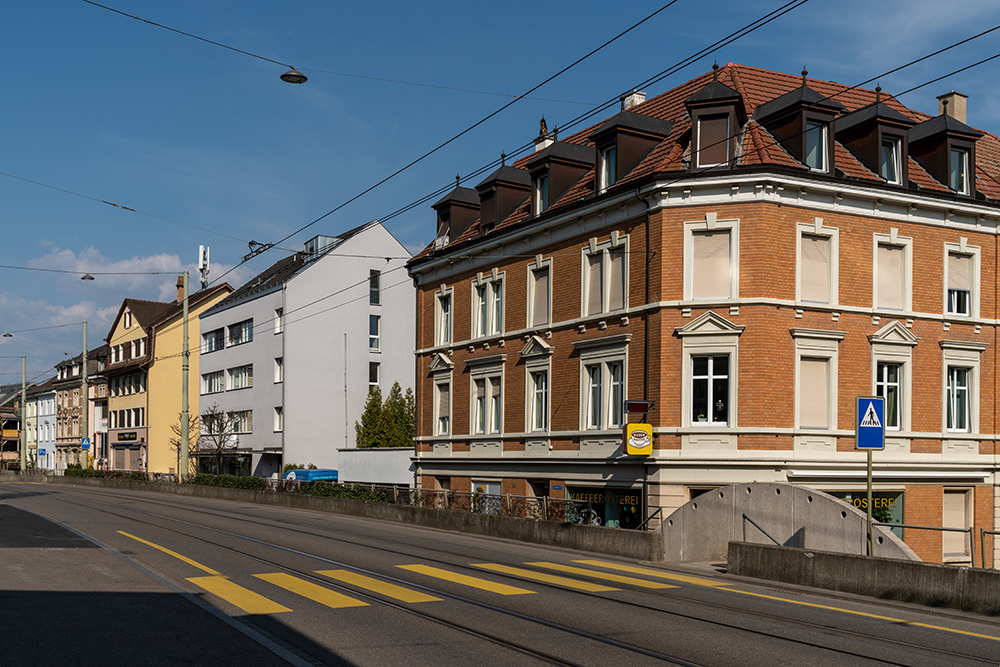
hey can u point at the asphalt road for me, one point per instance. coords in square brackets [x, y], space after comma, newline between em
[93, 576]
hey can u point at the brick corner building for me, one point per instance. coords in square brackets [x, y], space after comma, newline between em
[749, 252]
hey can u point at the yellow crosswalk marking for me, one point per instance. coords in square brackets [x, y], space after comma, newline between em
[547, 578]
[697, 581]
[314, 592]
[607, 576]
[377, 586]
[465, 580]
[172, 553]
[244, 598]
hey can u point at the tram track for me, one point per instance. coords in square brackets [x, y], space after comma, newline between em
[150, 518]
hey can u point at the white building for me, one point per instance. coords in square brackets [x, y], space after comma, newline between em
[294, 351]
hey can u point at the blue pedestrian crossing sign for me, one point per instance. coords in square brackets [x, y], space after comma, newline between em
[869, 430]
[85, 443]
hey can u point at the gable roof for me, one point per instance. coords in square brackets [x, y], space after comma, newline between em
[270, 278]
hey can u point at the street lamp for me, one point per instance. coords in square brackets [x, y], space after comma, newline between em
[294, 76]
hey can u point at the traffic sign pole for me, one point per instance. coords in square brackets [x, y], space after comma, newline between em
[869, 434]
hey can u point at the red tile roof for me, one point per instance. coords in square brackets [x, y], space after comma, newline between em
[758, 147]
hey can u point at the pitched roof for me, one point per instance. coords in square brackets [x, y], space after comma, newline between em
[271, 277]
[146, 312]
[762, 92]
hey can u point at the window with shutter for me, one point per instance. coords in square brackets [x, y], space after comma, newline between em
[814, 388]
[890, 276]
[713, 140]
[815, 268]
[959, 284]
[711, 270]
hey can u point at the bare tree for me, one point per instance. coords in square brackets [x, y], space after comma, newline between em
[175, 443]
[217, 435]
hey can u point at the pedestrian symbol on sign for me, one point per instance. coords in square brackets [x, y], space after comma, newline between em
[871, 418]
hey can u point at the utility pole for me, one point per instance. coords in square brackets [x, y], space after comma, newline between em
[24, 416]
[84, 421]
[185, 369]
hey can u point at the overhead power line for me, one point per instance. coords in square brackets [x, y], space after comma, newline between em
[311, 69]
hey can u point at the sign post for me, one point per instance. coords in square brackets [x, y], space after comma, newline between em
[869, 435]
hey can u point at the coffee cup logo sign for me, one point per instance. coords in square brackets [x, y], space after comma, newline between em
[638, 439]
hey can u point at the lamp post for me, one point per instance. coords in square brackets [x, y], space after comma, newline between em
[185, 468]
[24, 417]
[84, 421]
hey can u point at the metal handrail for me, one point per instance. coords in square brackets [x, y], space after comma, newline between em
[982, 544]
[972, 539]
[651, 517]
[757, 525]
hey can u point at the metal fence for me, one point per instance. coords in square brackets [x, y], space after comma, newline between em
[543, 508]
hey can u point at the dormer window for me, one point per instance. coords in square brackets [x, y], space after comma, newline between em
[816, 143]
[541, 193]
[713, 140]
[609, 167]
[889, 160]
[958, 172]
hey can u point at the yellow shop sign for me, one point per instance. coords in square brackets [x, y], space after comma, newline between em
[639, 439]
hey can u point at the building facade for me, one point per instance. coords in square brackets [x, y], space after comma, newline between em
[291, 355]
[42, 425]
[745, 254]
[145, 350]
[70, 406]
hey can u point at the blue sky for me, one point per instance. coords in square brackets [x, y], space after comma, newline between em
[117, 110]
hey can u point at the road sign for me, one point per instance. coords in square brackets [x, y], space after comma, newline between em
[85, 443]
[41, 452]
[870, 423]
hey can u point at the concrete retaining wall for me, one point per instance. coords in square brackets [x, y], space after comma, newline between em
[612, 541]
[794, 515]
[962, 588]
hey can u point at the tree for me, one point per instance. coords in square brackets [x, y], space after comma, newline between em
[175, 442]
[217, 435]
[388, 424]
[371, 431]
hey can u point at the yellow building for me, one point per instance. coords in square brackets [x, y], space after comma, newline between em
[144, 378]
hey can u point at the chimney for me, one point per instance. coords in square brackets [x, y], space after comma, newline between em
[632, 99]
[544, 138]
[180, 288]
[953, 104]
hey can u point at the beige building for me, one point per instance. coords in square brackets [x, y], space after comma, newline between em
[144, 378]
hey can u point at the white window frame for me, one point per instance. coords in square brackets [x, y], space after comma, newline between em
[279, 419]
[279, 369]
[817, 228]
[882, 380]
[616, 242]
[206, 382]
[245, 328]
[443, 422]
[538, 265]
[374, 287]
[487, 290]
[608, 168]
[279, 320]
[491, 371]
[709, 335]
[966, 172]
[893, 344]
[961, 354]
[974, 252]
[818, 344]
[602, 353]
[218, 335]
[711, 223]
[897, 143]
[709, 421]
[374, 365]
[127, 320]
[541, 193]
[236, 372]
[374, 339]
[444, 322]
[906, 243]
[824, 144]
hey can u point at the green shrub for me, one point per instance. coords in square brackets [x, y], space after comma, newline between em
[333, 490]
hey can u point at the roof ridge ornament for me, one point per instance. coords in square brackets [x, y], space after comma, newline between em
[458, 180]
[805, 73]
[715, 71]
[503, 159]
[878, 93]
